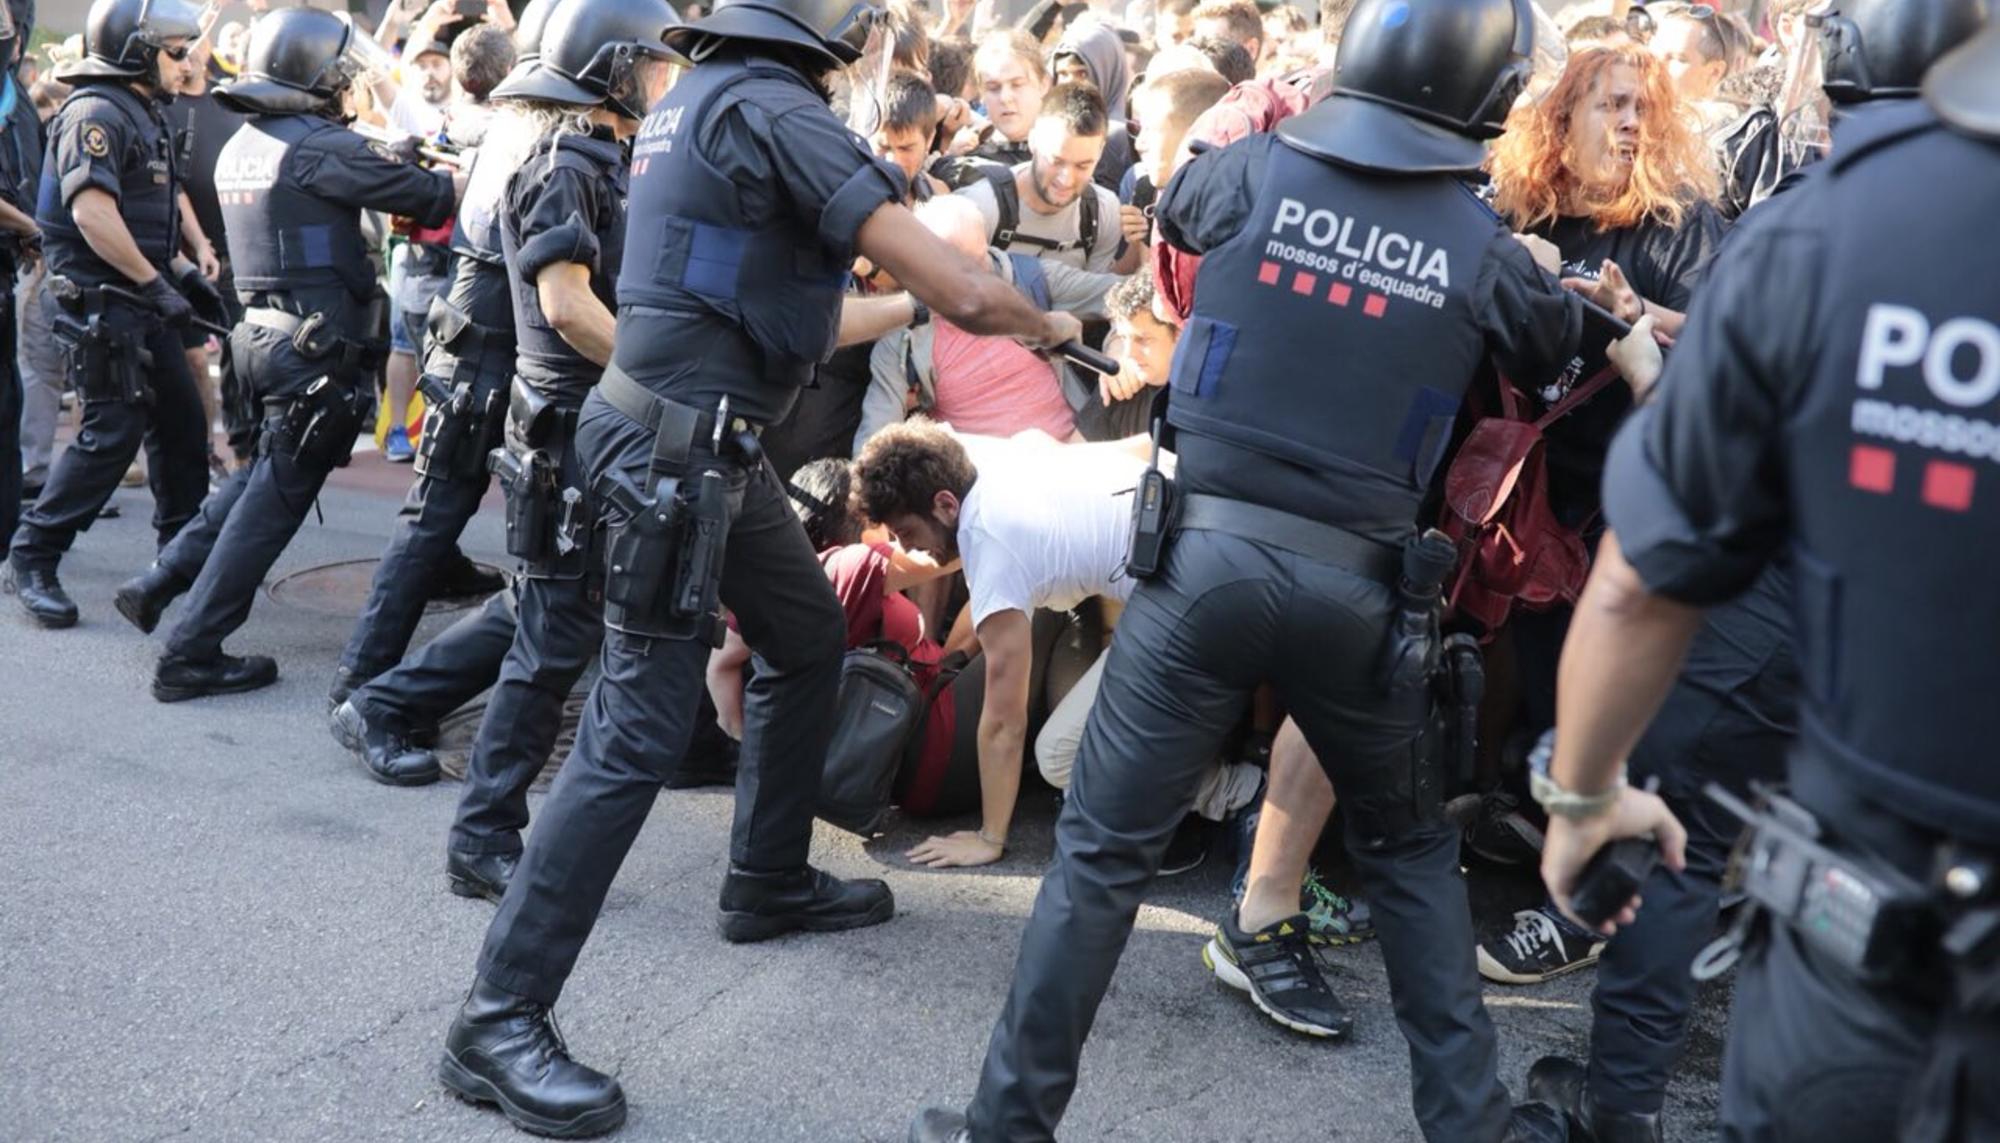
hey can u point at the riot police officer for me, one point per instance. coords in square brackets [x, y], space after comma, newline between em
[108, 208]
[749, 200]
[1731, 713]
[294, 182]
[19, 237]
[1835, 394]
[466, 377]
[469, 358]
[562, 227]
[1348, 237]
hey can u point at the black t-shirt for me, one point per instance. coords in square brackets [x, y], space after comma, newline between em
[207, 126]
[1664, 264]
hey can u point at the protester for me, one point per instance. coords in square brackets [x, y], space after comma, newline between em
[1092, 53]
[1050, 206]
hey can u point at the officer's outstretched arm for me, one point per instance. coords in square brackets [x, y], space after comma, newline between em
[954, 286]
[96, 214]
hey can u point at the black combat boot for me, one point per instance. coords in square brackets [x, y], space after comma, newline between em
[504, 1049]
[345, 683]
[1536, 1122]
[144, 598]
[759, 906]
[42, 595]
[482, 875]
[938, 1125]
[1564, 1083]
[391, 758]
[458, 578]
[177, 679]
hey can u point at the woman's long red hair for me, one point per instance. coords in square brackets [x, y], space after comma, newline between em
[1531, 164]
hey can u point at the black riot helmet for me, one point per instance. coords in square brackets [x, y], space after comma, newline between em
[122, 38]
[299, 61]
[833, 30]
[1880, 49]
[1964, 87]
[528, 38]
[590, 55]
[1419, 85]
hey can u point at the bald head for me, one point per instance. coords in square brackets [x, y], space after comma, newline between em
[956, 220]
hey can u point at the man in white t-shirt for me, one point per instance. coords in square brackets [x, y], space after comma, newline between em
[1038, 526]
[1053, 207]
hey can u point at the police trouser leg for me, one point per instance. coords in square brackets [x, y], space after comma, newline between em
[188, 552]
[1190, 648]
[1814, 1053]
[445, 673]
[1645, 983]
[275, 499]
[1383, 761]
[561, 627]
[423, 539]
[638, 718]
[83, 478]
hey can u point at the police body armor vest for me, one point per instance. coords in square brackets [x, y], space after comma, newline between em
[778, 284]
[542, 357]
[147, 193]
[1336, 329]
[283, 237]
[1893, 479]
[479, 274]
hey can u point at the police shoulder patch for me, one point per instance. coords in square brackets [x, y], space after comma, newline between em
[96, 141]
[382, 150]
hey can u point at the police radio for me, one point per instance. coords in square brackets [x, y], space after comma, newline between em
[1154, 505]
[1863, 914]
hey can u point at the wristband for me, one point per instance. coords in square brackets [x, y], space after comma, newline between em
[920, 314]
[981, 834]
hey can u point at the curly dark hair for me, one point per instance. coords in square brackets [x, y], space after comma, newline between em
[821, 493]
[902, 469]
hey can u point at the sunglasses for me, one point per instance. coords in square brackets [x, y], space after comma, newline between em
[178, 54]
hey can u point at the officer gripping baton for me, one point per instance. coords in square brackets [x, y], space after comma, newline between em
[66, 290]
[438, 155]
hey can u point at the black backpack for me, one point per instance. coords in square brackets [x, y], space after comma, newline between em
[1007, 197]
[880, 710]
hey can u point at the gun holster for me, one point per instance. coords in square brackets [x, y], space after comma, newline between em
[317, 427]
[103, 364]
[462, 423]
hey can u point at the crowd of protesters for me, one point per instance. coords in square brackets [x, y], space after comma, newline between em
[971, 498]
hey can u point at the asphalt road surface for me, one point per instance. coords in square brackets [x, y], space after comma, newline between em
[214, 927]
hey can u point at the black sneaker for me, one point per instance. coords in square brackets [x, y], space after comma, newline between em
[1502, 834]
[1188, 849]
[1275, 966]
[1543, 945]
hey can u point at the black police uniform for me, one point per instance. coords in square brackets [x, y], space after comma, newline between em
[1729, 719]
[469, 364]
[293, 190]
[566, 204]
[747, 194]
[1835, 394]
[109, 137]
[1405, 285]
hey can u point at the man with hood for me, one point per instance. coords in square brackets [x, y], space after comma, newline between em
[1092, 53]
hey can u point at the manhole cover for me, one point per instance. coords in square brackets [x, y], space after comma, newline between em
[458, 731]
[342, 589]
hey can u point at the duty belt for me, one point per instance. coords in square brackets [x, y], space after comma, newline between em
[676, 426]
[1312, 539]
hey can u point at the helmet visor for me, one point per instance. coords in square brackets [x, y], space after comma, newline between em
[163, 20]
[868, 77]
[360, 56]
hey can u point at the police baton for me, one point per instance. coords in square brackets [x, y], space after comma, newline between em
[1084, 357]
[65, 290]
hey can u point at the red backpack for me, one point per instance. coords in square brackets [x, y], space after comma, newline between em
[1511, 548]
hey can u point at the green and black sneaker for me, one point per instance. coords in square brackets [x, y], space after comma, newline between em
[1331, 918]
[1275, 966]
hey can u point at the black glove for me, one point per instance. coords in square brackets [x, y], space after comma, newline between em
[204, 296]
[408, 149]
[166, 301]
